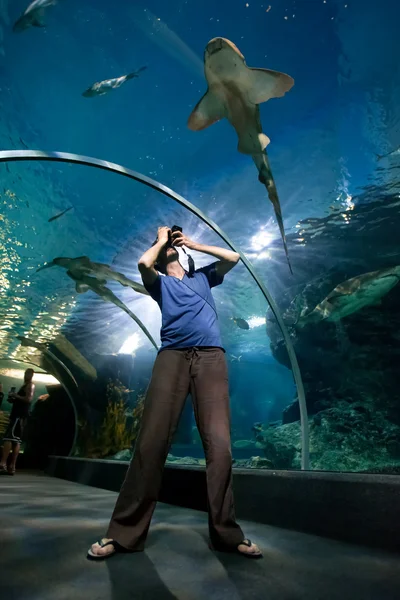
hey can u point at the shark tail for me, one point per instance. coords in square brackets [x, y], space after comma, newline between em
[108, 296]
[46, 266]
[135, 73]
[266, 177]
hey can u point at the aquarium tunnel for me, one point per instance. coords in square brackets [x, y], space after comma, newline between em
[271, 129]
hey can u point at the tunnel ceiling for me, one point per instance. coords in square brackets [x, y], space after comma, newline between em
[337, 198]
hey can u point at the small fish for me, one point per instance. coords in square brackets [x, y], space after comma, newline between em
[60, 214]
[241, 323]
[33, 15]
[235, 358]
[392, 153]
[235, 91]
[103, 87]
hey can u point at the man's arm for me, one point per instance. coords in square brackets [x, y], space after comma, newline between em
[149, 258]
[30, 390]
[227, 258]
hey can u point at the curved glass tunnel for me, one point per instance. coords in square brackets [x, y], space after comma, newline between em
[334, 155]
[48, 339]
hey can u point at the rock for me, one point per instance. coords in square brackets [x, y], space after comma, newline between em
[281, 445]
[258, 462]
[122, 455]
[291, 413]
[186, 460]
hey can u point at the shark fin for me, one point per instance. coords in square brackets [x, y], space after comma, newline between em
[245, 148]
[207, 111]
[265, 84]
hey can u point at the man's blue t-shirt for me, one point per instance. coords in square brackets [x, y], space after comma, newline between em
[189, 317]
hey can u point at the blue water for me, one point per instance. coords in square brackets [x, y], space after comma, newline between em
[325, 134]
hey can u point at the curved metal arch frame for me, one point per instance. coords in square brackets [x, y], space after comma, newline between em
[25, 155]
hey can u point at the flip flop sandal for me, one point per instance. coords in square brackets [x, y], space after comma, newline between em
[92, 556]
[10, 471]
[3, 471]
[247, 542]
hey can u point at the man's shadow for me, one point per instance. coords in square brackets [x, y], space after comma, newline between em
[133, 575]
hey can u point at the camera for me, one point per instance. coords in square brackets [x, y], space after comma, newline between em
[173, 229]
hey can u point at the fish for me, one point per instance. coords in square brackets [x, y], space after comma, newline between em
[392, 153]
[60, 214]
[241, 323]
[235, 358]
[86, 283]
[82, 265]
[103, 87]
[33, 16]
[351, 296]
[234, 92]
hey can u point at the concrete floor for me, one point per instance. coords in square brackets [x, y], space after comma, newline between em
[47, 525]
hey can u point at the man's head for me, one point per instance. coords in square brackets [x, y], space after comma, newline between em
[168, 255]
[29, 373]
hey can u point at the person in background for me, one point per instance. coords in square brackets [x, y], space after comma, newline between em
[1, 393]
[18, 417]
[191, 359]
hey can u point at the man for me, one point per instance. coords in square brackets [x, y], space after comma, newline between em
[15, 429]
[192, 360]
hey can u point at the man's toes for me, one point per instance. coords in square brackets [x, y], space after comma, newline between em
[253, 549]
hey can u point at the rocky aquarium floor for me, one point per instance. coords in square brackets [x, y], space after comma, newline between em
[48, 524]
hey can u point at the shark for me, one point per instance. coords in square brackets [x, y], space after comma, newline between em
[86, 283]
[88, 275]
[107, 85]
[67, 349]
[43, 348]
[33, 15]
[351, 296]
[235, 92]
[82, 265]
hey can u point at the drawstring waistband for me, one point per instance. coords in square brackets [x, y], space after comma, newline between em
[191, 353]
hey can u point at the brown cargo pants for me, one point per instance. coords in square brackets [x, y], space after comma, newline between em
[202, 372]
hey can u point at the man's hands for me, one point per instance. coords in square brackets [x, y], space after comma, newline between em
[163, 235]
[180, 239]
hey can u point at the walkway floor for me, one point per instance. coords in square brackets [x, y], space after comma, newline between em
[47, 525]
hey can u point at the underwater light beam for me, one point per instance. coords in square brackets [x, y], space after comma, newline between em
[24, 155]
